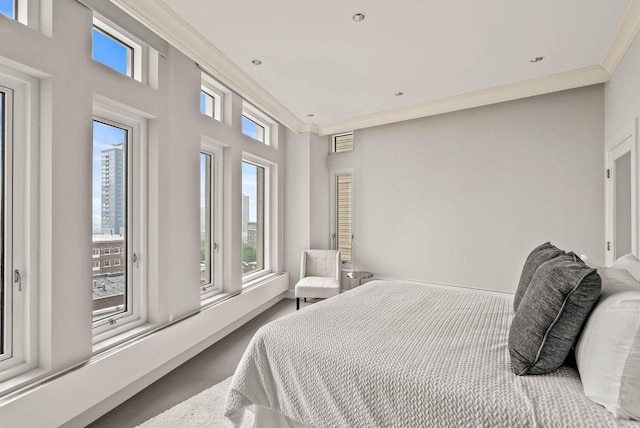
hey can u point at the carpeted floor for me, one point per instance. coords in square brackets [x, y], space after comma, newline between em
[205, 370]
[205, 410]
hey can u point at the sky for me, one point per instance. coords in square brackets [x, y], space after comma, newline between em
[7, 8]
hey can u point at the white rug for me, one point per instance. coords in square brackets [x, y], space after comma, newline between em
[203, 410]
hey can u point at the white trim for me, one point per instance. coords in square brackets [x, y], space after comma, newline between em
[21, 220]
[270, 218]
[217, 228]
[544, 85]
[627, 32]
[623, 142]
[111, 113]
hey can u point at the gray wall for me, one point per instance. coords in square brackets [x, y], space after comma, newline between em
[622, 93]
[462, 198]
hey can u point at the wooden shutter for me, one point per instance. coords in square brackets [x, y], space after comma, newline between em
[344, 215]
[343, 143]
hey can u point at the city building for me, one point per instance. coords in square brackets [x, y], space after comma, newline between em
[245, 215]
[113, 182]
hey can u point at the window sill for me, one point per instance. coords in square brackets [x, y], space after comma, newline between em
[16, 382]
[102, 343]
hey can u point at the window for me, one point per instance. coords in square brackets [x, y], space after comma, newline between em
[116, 250]
[256, 124]
[207, 103]
[9, 8]
[119, 296]
[18, 217]
[212, 97]
[115, 50]
[210, 219]
[116, 262]
[253, 218]
[342, 223]
[96, 265]
[96, 252]
[342, 143]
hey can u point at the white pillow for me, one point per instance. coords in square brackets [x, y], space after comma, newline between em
[608, 350]
[630, 263]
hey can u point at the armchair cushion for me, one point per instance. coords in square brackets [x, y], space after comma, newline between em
[317, 287]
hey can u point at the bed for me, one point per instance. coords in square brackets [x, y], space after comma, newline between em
[401, 354]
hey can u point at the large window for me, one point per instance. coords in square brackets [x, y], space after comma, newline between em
[18, 277]
[253, 218]
[9, 8]
[117, 288]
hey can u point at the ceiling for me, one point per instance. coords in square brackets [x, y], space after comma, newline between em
[317, 60]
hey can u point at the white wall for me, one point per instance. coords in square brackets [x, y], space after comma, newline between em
[462, 198]
[306, 210]
[69, 82]
[622, 93]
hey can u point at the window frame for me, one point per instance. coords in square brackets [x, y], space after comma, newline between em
[267, 216]
[20, 222]
[136, 231]
[342, 134]
[262, 120]
[333, 206]
[135, 64]
[216, 225]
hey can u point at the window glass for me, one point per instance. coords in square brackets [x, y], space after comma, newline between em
[109, 216]
[206, 221]
[3, 295]
[207, 104]
[253, 190]
[8, 8]
[252, 129]
[112, 52]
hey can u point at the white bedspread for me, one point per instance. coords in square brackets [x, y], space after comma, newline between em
[396, 354]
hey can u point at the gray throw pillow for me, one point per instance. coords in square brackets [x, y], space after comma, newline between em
[537, 257]
[551, 314]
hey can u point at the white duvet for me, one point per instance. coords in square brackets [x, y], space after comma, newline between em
[397, 354]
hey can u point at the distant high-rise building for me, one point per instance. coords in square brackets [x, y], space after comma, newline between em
[113, 190]
[245, 216]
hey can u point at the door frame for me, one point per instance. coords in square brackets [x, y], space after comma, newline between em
[620, 144]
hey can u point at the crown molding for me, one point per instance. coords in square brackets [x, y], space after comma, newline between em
[528, 88]
[160, 18]
[165, 22]
[627, 32]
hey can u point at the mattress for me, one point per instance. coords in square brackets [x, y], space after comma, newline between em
[400, 354]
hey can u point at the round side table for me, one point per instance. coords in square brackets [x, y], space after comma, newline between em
[359, 275]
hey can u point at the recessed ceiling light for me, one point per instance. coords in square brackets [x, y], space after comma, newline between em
[537, 59]
[358, 17]
[398, 94]
[310, 115]
[256, 62]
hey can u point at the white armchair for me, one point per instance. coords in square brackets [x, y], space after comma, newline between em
[319, 275]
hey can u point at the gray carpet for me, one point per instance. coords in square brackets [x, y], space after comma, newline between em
[210, 367]
[205, 410]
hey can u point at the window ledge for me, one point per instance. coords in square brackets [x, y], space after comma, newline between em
[253, 282]
[16, 382]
